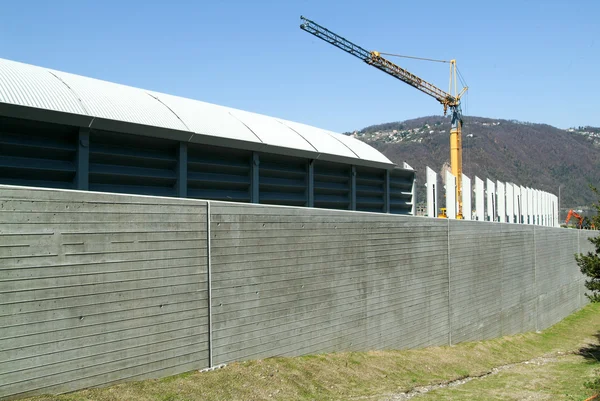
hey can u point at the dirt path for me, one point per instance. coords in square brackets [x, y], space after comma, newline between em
[418, 391]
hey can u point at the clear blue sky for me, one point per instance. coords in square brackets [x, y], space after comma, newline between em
[535, 61]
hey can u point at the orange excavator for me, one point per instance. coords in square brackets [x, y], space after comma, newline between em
[581, 221]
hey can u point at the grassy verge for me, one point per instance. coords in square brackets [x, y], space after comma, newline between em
[378, 374]
[562, 378]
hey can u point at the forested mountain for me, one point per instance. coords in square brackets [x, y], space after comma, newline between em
[533, 155]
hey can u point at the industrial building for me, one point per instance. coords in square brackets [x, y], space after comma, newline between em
[66, 131]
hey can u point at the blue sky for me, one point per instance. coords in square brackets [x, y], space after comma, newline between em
[528, 60]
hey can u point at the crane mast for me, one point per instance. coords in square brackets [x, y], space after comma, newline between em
[446, 99]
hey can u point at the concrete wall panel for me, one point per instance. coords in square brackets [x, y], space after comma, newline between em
[481, 256]
[475, 299]
[557, 275]
[99, 288]
[518, 280]
[290, 281]
[585, 246]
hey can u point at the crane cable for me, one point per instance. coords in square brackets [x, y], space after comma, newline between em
[415, 58]
[462, 80]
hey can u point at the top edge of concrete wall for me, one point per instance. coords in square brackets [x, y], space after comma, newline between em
[66, 194]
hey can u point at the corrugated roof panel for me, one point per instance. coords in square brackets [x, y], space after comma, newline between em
[119, 102]
[324, 141]
[364, 151]
[207, 119]
[26, 85]
[271, 131]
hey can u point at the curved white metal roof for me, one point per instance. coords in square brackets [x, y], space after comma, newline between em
[42, 88]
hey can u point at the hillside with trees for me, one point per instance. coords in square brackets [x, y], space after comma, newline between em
[533, 155]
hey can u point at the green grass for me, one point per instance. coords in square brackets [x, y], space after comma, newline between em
[563, 379]
[379, 374]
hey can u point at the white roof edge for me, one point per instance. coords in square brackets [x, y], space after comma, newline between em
[46, 89]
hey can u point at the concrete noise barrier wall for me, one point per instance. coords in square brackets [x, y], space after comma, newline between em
[99, 288]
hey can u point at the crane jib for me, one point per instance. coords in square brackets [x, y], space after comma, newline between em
[334, 39]
[374, 59]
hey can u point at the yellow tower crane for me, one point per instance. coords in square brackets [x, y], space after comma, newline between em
[450, 100]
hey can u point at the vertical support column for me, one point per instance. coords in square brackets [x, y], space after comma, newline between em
[254, 184]
[310, 184]
[545, 200]
[556, 218]
[182, 162]
[82, 172]
[510, 211]
[536, 207]
[491, 202]
[466, 198]
[543, 208]
[386, 191]
[524, 205]
[533, 206]
[549, 207]
[549, 213]
[530, 206]
[530, 199]
[534, 211]
[517, 203]
[550, 203]
[353, 188]
[552, 210]
[209, 286]
[479, 199]
[413, 209]
[432, 201]
[555, 212]
[539, 210]
[501, 201]
[510, 203]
